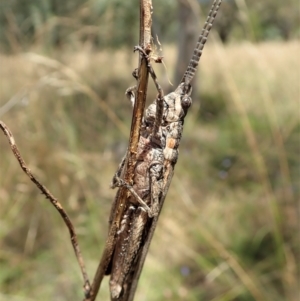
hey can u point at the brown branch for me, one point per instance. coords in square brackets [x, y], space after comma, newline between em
[53, 201]
[138, 112]
[121, 201]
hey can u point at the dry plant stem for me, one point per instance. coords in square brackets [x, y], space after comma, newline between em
[139, 107]
[53, 201]
[121, 200]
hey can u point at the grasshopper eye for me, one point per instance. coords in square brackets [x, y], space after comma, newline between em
[186, 101]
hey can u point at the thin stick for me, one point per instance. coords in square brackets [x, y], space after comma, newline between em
[121, 201]
[53, 201]
[138, 112]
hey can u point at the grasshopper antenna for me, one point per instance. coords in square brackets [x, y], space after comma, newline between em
[192, 67]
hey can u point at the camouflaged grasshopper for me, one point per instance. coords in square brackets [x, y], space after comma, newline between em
[157, 154]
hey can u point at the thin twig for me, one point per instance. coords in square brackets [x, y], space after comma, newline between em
[137, 116]
[53, 201]
[121, 201]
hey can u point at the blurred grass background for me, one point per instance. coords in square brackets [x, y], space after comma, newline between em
[229, 229]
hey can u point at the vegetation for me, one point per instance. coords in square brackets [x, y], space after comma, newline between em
[229, 227]
[51, 23]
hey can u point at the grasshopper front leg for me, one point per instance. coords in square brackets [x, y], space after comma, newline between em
[131, 91]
